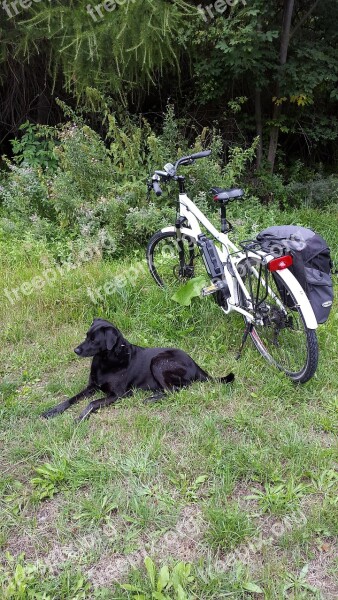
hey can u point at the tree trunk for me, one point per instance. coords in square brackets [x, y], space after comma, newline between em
[259, 127]
[283, 54]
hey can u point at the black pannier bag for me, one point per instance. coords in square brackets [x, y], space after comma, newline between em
[312, 263]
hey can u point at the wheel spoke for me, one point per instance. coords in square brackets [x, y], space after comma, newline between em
[164, 262]
[280, 333]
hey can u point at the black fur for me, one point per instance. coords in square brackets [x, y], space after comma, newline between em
[119, 367]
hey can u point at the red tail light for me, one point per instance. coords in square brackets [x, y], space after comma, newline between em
[282, 262]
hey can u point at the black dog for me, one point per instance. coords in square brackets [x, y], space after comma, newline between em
[118, 367]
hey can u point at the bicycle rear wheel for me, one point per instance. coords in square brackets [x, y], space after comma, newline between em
[170, 263]
[280, 332]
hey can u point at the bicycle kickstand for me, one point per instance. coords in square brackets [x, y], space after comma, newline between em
[247, 330]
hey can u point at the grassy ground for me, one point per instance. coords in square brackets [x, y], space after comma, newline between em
[236, 482]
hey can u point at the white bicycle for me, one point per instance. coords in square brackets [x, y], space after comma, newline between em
[277, 313]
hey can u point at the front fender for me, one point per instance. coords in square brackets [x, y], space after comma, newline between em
[184, 231]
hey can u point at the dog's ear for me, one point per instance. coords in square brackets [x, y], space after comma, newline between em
[111, 338]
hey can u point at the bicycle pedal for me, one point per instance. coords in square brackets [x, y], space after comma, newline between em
[215, 287]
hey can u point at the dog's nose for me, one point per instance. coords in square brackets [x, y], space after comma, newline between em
[78, 351]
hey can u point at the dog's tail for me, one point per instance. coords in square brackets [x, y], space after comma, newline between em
[227, 379]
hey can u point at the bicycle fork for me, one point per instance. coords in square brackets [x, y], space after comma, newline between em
[184, 269]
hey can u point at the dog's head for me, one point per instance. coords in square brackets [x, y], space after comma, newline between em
[102, 336]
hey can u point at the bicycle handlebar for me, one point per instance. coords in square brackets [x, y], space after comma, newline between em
[201, 154]
[171, 174]
[156, 188]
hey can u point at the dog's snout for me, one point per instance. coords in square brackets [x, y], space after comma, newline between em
[78, 351]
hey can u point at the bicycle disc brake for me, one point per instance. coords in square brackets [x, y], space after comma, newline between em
[277, 320]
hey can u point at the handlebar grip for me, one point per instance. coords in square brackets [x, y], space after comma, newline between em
[157, 188]
[201, 154]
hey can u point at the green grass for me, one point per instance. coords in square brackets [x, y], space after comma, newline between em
[237, 481]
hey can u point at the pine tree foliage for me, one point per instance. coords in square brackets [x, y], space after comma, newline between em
[123, 48]
[229, 51]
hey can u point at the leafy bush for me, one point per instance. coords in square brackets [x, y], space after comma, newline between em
[142, 222]
[24, 193]
[97, 190]
[270, 188]
[297, 187]
[315, 193]
[36, 146]
[84, 158]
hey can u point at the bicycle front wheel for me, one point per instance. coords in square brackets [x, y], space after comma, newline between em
[281, 335]
[169, 261]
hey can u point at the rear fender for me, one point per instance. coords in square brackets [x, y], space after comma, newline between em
[300, 297]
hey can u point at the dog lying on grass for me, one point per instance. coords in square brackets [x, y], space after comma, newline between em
[119, 367]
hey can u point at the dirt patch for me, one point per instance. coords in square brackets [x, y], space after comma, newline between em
[47, 512]
[321, 438]
[25, 544]
[184, 541]
[318, 573]
[113, 568]
[34, 544]
[241, 493]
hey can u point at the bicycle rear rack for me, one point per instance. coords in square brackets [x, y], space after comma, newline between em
[258, 295]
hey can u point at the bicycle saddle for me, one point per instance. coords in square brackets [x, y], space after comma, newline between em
[223, 196]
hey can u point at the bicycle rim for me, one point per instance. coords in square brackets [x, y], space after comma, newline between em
[164, 261]
[280, 333]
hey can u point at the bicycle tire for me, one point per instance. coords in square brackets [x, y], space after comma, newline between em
[194, 258]
[164, 264]
[294, 337]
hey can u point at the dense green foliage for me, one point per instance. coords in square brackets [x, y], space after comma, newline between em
[88, 191]
[69, 188]
[232, 63]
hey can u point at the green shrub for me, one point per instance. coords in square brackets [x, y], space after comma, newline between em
[315, 193]
[36, 146]
[24, 194]
[142, 222]
[83, 157]
[99, 193]
[269, 188]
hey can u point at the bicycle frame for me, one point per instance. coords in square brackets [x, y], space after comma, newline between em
[231, 256]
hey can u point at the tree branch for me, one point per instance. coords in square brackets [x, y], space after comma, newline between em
[304, 18]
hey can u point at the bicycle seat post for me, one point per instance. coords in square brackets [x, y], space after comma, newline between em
[225, 226]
